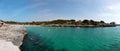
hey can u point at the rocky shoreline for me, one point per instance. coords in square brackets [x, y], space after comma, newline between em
[72, 25]
[11, 34]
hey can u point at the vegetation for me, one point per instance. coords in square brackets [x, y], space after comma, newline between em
[65, 22]
[9, 22]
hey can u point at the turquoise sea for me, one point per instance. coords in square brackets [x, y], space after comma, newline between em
[72, 39]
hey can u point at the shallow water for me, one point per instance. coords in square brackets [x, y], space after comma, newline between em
[72, 39]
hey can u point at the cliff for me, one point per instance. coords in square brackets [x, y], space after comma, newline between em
[11, 37]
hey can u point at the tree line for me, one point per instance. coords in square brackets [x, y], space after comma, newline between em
[60, 21]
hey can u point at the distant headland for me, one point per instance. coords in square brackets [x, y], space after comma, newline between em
[67, 23]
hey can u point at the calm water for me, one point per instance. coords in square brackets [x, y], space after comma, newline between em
[72, 39]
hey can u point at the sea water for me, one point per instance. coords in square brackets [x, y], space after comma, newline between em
[72, 39]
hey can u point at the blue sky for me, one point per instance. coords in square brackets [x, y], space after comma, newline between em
[46, 10]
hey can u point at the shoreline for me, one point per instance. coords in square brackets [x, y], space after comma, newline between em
[71, 25]
[21, 27]
[81, 25]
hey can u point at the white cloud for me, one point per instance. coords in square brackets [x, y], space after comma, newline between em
[111, 8]
[114, 7]
[110, 11]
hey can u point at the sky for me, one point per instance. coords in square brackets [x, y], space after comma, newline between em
[46, 10]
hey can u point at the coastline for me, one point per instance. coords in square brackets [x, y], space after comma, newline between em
[14, 34]
[40, 25]
[63, 25]
[81, 25]
[56, 25]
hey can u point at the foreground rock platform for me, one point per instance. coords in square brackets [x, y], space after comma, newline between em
[8, 46]
[11, 36]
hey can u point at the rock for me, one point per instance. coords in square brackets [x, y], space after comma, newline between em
[8, 46]
[13, 34]
[1, 23]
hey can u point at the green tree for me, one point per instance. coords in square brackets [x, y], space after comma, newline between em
[113, 23]
[11, 22]
[102, 22]
[85, 22]
[72, 21]
[91, 22]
